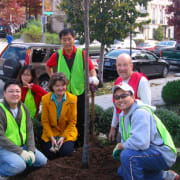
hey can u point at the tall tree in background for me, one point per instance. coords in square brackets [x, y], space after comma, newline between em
[11, 12]
[108, 19]
[174, 19]
[32, 7]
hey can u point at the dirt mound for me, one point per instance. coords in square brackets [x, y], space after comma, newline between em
[101, 167]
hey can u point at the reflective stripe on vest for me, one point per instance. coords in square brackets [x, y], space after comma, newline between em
[30, 103]
[76, 76]
[13, 133]
[165, 135]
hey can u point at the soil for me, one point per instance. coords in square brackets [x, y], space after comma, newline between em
[101, 166]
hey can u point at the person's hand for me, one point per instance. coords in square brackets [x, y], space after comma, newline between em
[28, 85]
[112, 134]
[60, 142]
[93, 80]
[116, 152]
[54, 146]
[32, 156]
[25, 155]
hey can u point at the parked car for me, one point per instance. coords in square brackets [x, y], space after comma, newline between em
[18, 54]
[149, 46]
[143, 61]
[172, 55]
[94, 47]
[3, 30]
[164, 45]
[122, 44]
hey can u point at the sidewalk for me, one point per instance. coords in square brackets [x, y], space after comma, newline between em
[105, 101]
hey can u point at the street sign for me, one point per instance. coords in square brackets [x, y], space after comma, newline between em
[49, 13]
[43, 19]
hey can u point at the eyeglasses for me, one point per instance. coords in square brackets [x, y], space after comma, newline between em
[11, 92]
[122, 96]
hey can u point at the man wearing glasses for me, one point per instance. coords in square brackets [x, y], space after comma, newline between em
[17, 146]
[146, 148]
[138, 81]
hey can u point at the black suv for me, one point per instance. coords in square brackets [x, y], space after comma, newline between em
[18, 54]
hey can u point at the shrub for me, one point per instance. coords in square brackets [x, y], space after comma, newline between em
[170, 92]
[37, 126]
[172, 122]
[103, 120]
[52, 38]
[159, 34]
[17, 35]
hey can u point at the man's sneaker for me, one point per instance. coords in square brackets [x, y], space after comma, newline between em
[176, 175]
[170, 175]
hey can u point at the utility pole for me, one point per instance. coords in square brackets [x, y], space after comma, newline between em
[43, 22]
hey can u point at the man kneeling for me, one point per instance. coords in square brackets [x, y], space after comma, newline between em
[17, 146]
[146, 149]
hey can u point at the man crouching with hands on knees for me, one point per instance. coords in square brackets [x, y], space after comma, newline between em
[146, 149]
[17, 146]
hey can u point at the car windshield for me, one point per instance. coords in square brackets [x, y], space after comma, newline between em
[17, 53]
[116, 53]
[167, 43]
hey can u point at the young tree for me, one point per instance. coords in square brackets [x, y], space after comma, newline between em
[159, 34]
[174, 17]
[109, 20]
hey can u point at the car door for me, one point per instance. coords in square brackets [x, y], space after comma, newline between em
[148, 63]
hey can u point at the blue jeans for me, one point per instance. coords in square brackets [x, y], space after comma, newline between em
[12, 163]
[141, 165]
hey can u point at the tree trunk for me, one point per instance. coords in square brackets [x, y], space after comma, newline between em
[101, 64]
[85, 155]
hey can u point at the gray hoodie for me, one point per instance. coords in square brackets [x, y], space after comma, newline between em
[144, 133]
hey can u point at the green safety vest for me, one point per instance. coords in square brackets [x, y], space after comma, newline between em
[13, 133]
[30, 103]
[76, 76]
[160, 126]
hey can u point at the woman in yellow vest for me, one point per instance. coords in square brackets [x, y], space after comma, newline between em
[31, 91]
[59, 118]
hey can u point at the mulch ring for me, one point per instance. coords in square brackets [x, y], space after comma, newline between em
[101, 166]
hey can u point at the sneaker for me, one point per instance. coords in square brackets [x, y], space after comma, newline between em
[170, 175]
[176, 176]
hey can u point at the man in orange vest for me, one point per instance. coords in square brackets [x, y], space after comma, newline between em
[138, 81]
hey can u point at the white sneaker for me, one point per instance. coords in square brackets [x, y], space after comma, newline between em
[170, 175]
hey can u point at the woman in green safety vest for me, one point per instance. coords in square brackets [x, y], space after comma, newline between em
[146, 150]
[31, 91]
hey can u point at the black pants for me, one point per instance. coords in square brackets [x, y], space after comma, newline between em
[66, 150]
[80, 119]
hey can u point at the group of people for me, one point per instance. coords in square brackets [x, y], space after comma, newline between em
[145, 148]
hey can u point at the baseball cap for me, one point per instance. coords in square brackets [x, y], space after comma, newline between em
[123, 86]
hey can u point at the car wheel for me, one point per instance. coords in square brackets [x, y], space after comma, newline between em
[11, 68]
[43, 82]
[165, 71]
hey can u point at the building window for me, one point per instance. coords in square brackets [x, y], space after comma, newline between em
[153, 16]
[169, 33]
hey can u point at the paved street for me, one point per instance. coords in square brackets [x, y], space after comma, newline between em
[105, 101]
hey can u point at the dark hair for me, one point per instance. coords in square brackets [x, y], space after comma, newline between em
[64, 32]
[9, 82]
[32, 71]
[58, 76]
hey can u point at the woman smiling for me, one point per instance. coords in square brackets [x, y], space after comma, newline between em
[59, 118]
